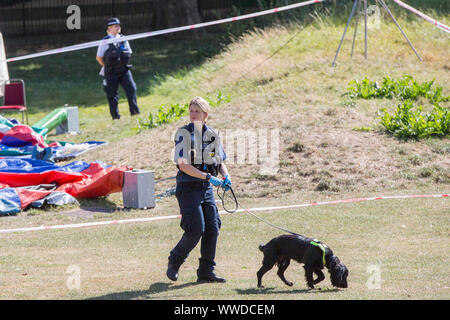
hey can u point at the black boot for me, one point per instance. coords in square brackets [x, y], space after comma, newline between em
[205, 272]
[172, 272]
[212, 277]
[174, 265]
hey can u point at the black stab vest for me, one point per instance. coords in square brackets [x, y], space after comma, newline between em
[116, 58]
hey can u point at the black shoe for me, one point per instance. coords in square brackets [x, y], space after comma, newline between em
[210, 278]
[116, 117]
[172, 272]
[135, 113]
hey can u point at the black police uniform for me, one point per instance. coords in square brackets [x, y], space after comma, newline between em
[199, 215]
[117, 71]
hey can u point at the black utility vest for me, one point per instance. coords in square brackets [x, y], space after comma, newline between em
[210, 165]
[116, 58]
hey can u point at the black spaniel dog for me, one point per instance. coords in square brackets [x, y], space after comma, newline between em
[312, 253]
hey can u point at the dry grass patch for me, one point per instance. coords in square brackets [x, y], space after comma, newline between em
[401, 237]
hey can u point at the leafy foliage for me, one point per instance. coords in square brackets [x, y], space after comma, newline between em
[409, 122]
[168, 114]
[405, 88]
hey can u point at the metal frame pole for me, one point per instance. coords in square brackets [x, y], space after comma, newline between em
[383, 4]
[366, 46]
[345, 31]
[356, 26]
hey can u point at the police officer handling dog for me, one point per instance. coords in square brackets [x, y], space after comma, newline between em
[199, 157]
[114, 59]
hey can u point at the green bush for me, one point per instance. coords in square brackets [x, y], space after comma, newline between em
[408, 122]
[405, 88]
[168, 114]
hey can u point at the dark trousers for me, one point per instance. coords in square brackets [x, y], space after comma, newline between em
[199, 220]
[112, 92]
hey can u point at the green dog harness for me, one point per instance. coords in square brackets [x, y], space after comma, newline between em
[322, 247]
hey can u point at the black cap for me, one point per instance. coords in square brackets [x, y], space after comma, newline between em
[112, 21]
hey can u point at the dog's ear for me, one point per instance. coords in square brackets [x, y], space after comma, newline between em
[344, 277]
[338, 273]
[334, 261]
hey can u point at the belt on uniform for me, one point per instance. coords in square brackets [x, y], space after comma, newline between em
[193, 184]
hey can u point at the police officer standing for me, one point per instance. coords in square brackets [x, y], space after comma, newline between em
[199, 157]
[114, 59]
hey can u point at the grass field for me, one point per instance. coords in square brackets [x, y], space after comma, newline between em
[276, 78]
[406, 240]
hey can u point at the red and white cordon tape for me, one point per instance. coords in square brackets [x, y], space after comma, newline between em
[423, 16]
[202, 25]
[160, 32]
[136, 220]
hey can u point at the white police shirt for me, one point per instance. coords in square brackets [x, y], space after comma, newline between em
[103, 47]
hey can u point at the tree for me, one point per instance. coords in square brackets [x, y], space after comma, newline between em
[174, 13]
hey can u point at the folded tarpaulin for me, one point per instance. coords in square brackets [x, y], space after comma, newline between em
[79, 179]
[70, 151]
[55, 198]
[21, 140]
[67, 151]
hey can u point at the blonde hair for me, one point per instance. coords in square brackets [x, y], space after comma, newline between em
[201, 103]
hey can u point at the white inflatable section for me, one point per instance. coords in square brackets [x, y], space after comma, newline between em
[4, 75]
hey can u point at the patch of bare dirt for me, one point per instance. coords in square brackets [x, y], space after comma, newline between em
[318, 151]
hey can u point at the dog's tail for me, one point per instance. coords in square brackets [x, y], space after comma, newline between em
[261, 247]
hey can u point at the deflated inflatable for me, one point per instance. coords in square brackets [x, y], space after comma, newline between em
[18, 140]
[23, 181]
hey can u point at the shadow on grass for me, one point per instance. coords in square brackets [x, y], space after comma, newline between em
[101, 205]
[160, 287]
[287, 291]
[86, 209]
[155, 288]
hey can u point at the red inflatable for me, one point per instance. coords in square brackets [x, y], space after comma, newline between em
[96, 180]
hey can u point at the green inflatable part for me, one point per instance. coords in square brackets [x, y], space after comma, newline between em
[5, 123]
[42, 131]
[50, 121]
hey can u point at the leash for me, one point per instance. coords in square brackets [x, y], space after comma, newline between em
[314, 242]
[236, 202]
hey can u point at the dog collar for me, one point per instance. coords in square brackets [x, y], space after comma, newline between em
[321, 246]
